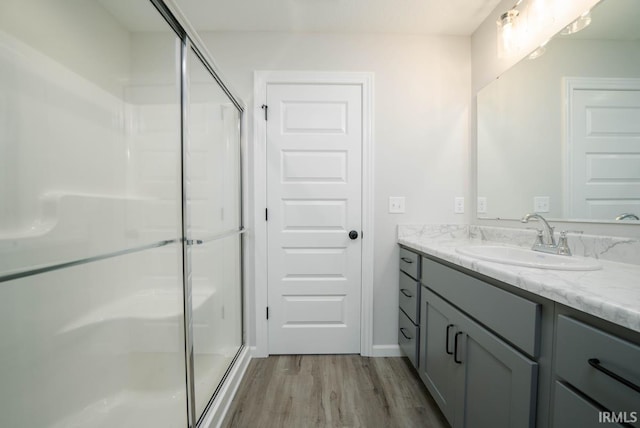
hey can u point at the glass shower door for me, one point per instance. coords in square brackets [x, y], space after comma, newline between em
[118, 220]
[213, 227]
[91, 298]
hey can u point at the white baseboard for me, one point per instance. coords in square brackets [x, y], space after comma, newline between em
[255, 353]
[220, 407]
[386, 351]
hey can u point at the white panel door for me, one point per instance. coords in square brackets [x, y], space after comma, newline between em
[314, 146]
[605, 153]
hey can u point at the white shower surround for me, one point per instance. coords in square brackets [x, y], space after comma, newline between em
[104, 338]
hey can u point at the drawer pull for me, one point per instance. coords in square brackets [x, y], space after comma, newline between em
[455, 348]
[406, 260]
[405, 292]
[447, 344]
[404, 334]
[595, 363]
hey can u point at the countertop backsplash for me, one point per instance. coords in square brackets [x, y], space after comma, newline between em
[611, 293]
[611, 248]
[433, 231]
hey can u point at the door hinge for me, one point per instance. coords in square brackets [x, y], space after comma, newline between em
[267, 312]
[266, 110]
[266, 214]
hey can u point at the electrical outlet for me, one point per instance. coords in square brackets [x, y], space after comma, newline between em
[458, 206]
[482, 205]
[541, 204]
[396, 204]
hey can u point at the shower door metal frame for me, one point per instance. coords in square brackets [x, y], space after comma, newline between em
[186, 243]
[191, 42]
[190, 241]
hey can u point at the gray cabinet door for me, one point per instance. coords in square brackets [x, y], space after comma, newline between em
[477, 379]
[437, 368]
[497, 385]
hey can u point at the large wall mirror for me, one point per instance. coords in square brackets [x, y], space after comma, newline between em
[559, 133]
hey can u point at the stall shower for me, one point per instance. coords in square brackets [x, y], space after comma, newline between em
[120, 217]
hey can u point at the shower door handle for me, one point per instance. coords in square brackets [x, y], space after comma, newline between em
[195, 242]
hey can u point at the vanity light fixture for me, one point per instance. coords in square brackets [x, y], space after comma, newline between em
[507, 31]
[581, 23]
[519, 26]
[539, 14]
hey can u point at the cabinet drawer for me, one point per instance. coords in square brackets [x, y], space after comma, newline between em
[409, 297]
[512, 317]
[409, 263]
[570, 410]
[408, 335]
[578, 345]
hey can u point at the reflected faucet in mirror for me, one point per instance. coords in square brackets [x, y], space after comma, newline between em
[627, 216]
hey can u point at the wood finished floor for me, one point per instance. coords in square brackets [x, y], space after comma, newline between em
[299, 391]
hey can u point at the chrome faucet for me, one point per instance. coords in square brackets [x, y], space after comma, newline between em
[540, 243]
[550, 246]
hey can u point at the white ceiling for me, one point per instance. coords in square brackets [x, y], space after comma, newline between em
[452, 17]
[442, 17]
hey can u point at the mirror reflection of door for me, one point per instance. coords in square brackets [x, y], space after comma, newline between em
[603, 148]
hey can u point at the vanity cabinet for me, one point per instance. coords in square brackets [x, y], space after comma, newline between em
[494, 355]
[596, 372]
[409, 305]
[478, 349]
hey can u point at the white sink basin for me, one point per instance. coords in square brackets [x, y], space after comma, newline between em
[529, 258]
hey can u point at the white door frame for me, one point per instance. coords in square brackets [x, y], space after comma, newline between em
[576, 83]
[260, 82]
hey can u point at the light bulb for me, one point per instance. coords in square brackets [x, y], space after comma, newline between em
[579, 24]
[507, 32]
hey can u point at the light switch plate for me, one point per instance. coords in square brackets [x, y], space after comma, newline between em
[482, 205]
[396, 204]
[458, 206]
[541, 204]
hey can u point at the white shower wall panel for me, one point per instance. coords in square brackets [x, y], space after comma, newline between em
[84, 172]
[53, 111]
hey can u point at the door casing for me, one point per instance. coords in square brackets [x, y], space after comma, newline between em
[261, 80]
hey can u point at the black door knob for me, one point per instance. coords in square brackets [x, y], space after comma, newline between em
[353, 234]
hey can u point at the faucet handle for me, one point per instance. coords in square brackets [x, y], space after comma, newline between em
[563, 243]
[539, 238]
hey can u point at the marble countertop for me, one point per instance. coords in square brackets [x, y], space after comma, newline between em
[612, 293]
